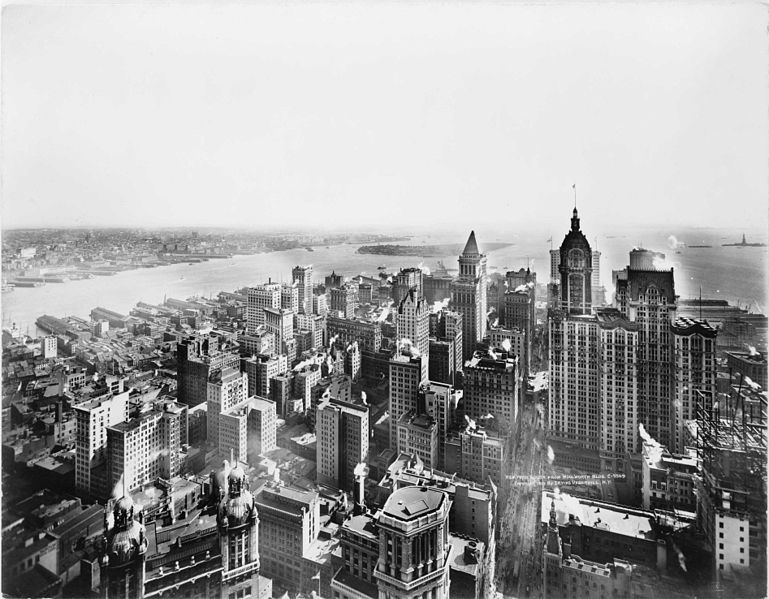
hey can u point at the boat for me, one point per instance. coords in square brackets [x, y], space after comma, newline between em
[309, 249]
[381, 268]
[699, 246]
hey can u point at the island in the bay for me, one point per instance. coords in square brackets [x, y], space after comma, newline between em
[423, 250]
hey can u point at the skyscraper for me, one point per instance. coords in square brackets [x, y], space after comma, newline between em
[412, 321]
[406, 375]
[146, 447]
[646, 296]
[405, 280]
[694, 344]
[197, 357]
[491, 387]
[598, 291]
[343, 300]
[302, 276]
[468, 296]
[92, 419]
[342, 431]
[289, 297]
[414, 548]
[289, 525]
[618, 358]
[280, 322]
[259, 298]
[226, 388]
[574, 401]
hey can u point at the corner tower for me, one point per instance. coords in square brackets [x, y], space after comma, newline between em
[238, 524]
[414, 550]
[124, 547]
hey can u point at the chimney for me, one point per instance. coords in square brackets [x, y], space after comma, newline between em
[471, 553]
[361, 470]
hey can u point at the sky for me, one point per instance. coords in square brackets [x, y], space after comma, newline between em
[386, 114]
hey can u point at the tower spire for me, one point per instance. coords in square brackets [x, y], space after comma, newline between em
[471, 247]
[574, 187]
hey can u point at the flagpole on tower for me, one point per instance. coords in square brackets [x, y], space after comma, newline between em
[574, 187]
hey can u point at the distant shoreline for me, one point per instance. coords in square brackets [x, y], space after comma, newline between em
[426, 251]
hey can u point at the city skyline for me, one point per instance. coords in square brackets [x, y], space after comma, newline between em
[351, 115]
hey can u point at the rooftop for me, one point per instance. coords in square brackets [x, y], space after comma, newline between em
[610, 517]
[412, 502]
[689, 326]
[462, 561]
[225, 375]
[356, 583]
[363, 525]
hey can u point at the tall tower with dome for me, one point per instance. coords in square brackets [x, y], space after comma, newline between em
[124, 547]
[238, 524]
[576, 270]
[208, 552]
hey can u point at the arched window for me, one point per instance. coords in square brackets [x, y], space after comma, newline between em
[576, 258]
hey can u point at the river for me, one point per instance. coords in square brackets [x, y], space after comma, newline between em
[737, 274]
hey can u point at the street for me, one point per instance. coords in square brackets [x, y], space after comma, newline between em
[519, 546]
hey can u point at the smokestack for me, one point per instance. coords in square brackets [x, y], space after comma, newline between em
[360, 472]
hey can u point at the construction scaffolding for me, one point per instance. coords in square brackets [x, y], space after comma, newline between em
[731, 439]
[731, 450]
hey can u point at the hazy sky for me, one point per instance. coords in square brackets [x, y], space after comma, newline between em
[349, 113]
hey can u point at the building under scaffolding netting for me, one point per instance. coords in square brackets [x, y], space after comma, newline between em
[731, 487]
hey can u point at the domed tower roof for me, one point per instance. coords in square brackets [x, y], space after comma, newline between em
[125, 539]
[237, 506]
[575, 237]
[236, 475]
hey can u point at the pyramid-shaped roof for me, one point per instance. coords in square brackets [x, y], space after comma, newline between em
[471, 247]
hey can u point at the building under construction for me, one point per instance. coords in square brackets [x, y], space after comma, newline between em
[731, 487]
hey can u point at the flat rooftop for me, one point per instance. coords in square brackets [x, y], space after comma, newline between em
[610, 517]
[413, 502]
[363, 525]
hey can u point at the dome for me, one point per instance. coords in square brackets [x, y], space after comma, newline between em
[236, 510]
[124, 504]
[126, 543]
[123, 512]
[236, 474]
